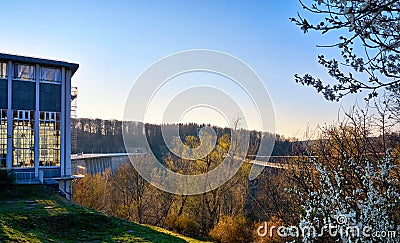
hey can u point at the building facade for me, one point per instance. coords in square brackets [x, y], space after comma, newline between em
[35, 106]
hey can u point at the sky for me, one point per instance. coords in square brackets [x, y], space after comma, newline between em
[115, 41]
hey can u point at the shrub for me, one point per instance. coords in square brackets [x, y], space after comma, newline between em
[7, 178]
[232, 229]
[184, 225]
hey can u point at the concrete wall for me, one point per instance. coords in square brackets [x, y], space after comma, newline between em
[97, 164]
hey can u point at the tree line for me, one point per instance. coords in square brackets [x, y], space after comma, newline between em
[105, 136]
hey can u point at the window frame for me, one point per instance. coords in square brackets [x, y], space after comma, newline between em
[55, 81]
[23, 139]
[16, 65]
[3, 138]
[3, 70]
[23, 115]
[49, 139]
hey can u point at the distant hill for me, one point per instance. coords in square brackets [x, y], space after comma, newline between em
[35, 213]
[105, 136]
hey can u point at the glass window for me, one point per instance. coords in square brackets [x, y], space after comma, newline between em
[50, 74]
[3, 138]
[23, 138]
[49, 131]
[3, 70]
[22, 71]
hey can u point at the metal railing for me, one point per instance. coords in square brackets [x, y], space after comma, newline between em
[23, 177]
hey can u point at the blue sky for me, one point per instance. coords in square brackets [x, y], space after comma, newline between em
[114, 41]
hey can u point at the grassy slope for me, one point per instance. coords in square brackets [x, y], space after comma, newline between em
[36, 214]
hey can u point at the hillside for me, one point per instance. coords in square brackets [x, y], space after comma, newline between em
[35, 213]
[105, 136]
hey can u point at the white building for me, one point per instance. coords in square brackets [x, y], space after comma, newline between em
[35, 106]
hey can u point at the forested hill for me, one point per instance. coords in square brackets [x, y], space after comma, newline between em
[105, 136]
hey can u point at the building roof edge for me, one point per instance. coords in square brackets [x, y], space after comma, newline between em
[47, 62]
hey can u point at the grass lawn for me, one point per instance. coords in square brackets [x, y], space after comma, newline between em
[34, 213]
